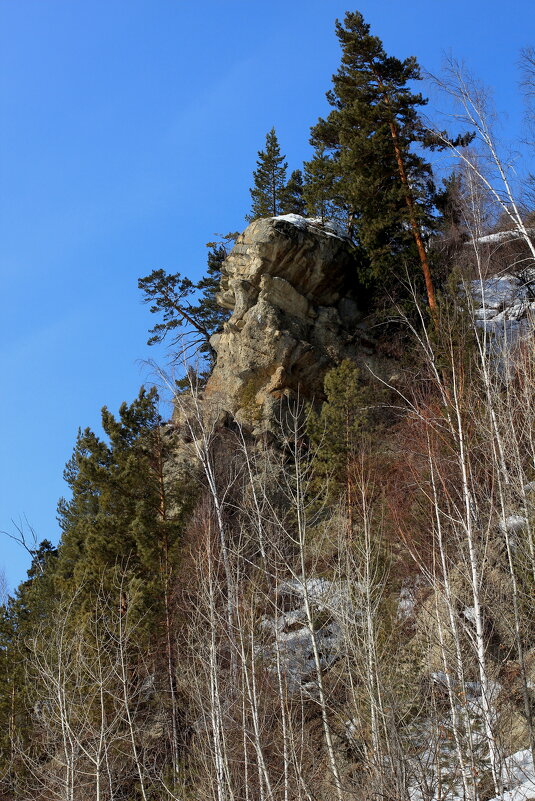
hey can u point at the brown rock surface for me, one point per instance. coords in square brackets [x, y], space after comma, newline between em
[291, 285]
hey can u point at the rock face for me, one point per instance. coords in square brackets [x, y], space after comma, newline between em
[291, 285]
[505, 304]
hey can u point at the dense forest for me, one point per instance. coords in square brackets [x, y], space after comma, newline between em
[340, 604]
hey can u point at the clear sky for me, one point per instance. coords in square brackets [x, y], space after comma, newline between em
[129, 131]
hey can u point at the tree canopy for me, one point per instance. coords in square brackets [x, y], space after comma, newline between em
[267, 192]
[382, 180]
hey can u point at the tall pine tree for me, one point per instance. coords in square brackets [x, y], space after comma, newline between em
[292, 197]
[321, 191]
[122, 509]
[269, 180]
[369, 135]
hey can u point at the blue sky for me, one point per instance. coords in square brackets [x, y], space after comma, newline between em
[129, 133]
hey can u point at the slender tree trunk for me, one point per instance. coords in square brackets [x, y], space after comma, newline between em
[124, 681]
[459, 721]
[476, 580]
[415, 227]
[301, 534]
[413, 217]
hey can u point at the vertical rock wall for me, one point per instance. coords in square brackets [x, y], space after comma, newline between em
[291, 285]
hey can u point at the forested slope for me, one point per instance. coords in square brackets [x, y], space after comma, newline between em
[316, 581]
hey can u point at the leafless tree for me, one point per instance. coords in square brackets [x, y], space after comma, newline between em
[493, 172]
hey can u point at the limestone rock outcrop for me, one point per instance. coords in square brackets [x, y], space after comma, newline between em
[291, 285]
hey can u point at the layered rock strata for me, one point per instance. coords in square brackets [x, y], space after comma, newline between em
[291, 285]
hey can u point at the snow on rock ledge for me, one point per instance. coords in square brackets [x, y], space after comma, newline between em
[500, 237]
[505, 304]
[330, 227]
[290, 643]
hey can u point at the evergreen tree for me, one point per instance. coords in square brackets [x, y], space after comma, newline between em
[269, 180]
[22, 616]
[321, 190]
[110, 584]
[335, 432]
[292, 199]
[126, 516]
[189, 310]
[369, 136]
[207, 306]
[451, 229]
[169, 295]
[122, 510]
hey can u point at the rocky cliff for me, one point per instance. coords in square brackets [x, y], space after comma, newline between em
[296, 311]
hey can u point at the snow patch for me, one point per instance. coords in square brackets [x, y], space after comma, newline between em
[497, 292]
[470, 614]
[505, 307]
[513, 524]
[501, 236]
[518, 777]
[329, 227]
[406, 603]
[290, 642]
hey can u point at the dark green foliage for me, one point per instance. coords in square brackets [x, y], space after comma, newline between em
[292, 200]
[122, 510]
[33, 598]
[7, 686]
[449, 203]
[446, 247]
[190, 312]
[207, 307]
[169, 294]
[370, 94]
[30, 610]
[321, 191]
[109, 584]
[337, 430]
[12, 718]
[269, 177]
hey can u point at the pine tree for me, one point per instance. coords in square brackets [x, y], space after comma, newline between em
[23, 615]
[207, 307]
[189, 310]
[100, 608]
[269, 180]
[369, 135]
[321, 190]
[447, 245]
[169, 295]
[337, 429]
[292, 199]
[122, 511]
